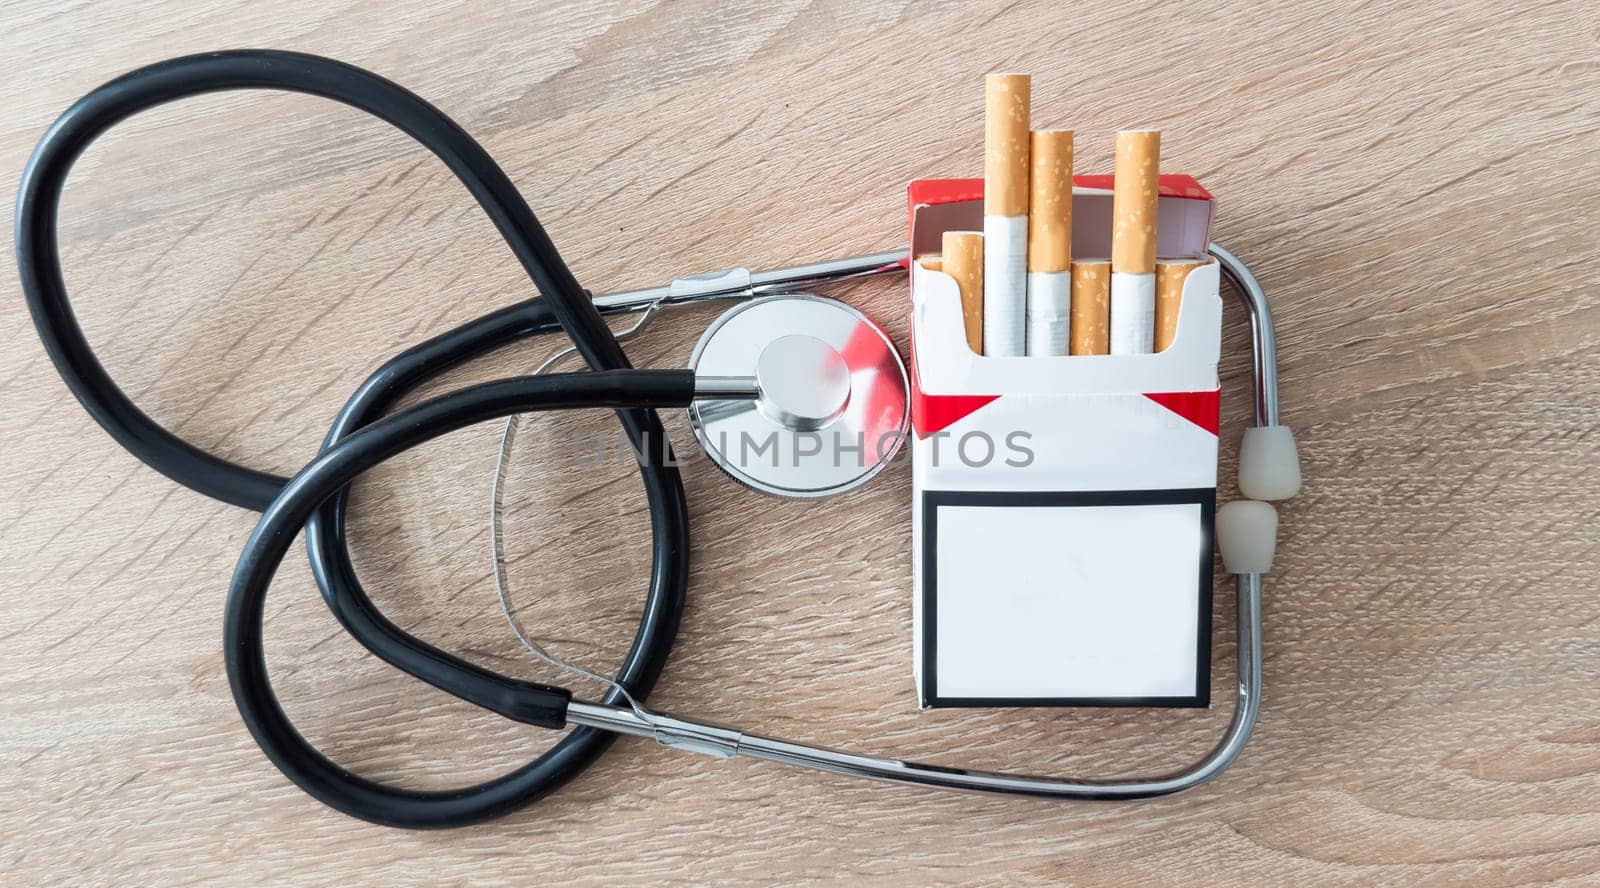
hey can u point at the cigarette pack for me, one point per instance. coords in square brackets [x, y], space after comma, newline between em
[1063, 506]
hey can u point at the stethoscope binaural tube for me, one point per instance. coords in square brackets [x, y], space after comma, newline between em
[1248, 556]
[564, 305]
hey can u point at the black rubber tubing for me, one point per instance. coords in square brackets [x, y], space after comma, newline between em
[332, 471]
[38, 263]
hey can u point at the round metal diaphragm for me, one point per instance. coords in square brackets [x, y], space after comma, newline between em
[833, 408]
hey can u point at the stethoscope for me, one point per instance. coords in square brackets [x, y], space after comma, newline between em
[752, 366]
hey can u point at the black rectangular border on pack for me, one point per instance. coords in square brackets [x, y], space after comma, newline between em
[932, 500]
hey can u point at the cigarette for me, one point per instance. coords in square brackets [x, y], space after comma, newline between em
[1005, 213]
[1133, 242]
[1049, 241]
[1170, 275]
[931, 262]
[963, 260]
[1091, 307]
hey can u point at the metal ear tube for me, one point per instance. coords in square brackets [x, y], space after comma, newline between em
[1269, 465]
[724, 742]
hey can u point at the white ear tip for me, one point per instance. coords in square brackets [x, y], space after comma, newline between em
[1247, 534]
[1269, 465]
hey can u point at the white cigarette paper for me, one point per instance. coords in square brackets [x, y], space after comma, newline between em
[1049, 311]
[1005, 285]
[1133, 313]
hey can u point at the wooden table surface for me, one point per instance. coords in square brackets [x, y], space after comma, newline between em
[1418, 187]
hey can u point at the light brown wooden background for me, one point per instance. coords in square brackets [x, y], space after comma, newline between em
[1417, 186]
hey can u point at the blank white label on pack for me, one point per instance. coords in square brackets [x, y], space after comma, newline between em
[1111, 616]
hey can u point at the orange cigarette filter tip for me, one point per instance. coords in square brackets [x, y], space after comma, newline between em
[931, 261]
[1133, 202]
[1091, 308]
[1006, 99]
[1170, 276]
[963, 260]
[1050, 201]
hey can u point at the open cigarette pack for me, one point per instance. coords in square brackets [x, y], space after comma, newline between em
[1063, 505]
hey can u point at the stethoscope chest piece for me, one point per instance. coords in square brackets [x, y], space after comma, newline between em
[833, 405]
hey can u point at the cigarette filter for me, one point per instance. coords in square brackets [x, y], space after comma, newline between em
[963, 260]
[1133, 202]
[1005, 138]
[1170, 275]
[1050, 201]
[1005, 213]
[931, 262]
[1091, 307]
[1049, 241]
[1133, 242]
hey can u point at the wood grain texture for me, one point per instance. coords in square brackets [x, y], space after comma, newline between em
[1415, 184]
